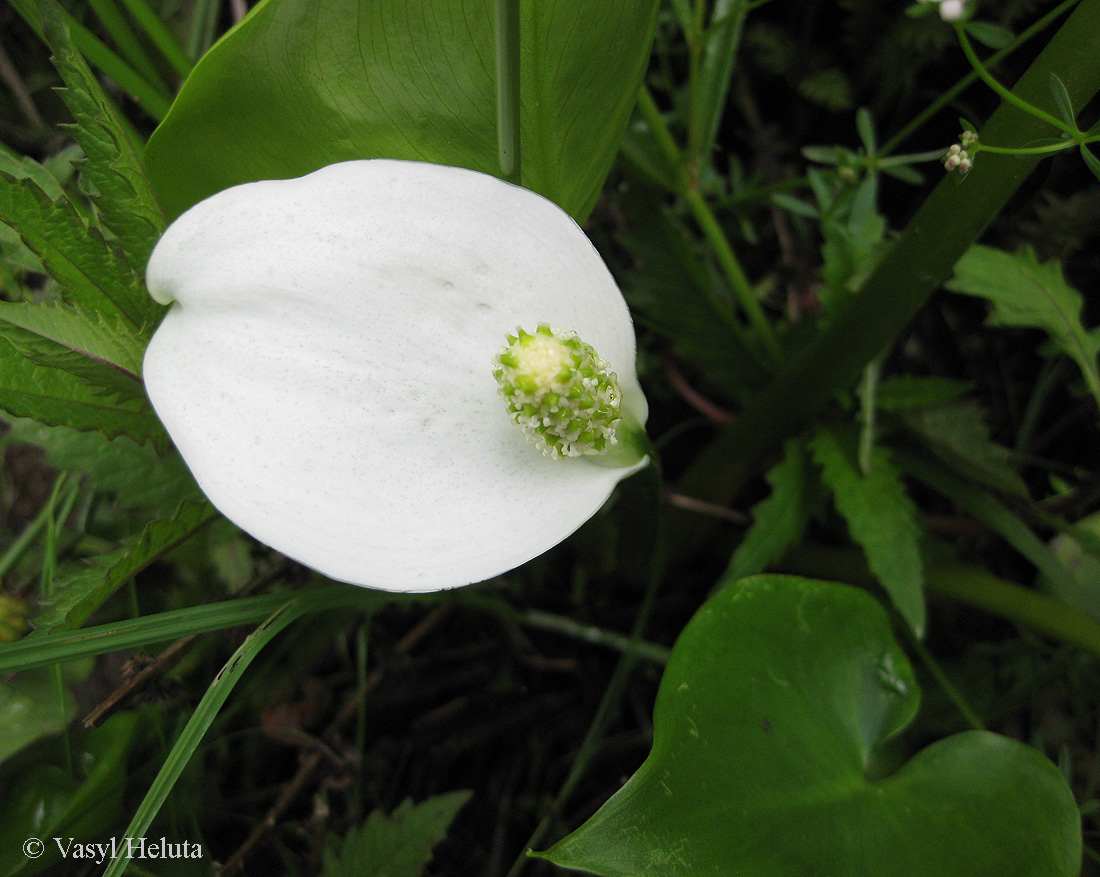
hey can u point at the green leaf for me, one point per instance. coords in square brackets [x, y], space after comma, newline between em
[865, 127]
[1082, 591]
[398, 845]
[103, 337]
[29, 709]
[81, 594]
[1028, 294]
[990, 35]
[825, 154]
[58, 396]
[110, 383]
[718, 56]
[989, 509]
[299, 84]
[779, 520]
[125, 203]
[774, 702]
[957, 434]
[902, 172]
[1062, 100]
[904, 392]
[90, 272]
[881, 518]
[136, 476]
[45, 801]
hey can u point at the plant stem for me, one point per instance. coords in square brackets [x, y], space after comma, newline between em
[967, 584]
[508, 89]
[1007, 95]
[708, 224]
[1016, 603]
[953, 693]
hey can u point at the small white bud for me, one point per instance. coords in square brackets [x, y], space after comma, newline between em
[952, 10]
[952, 162]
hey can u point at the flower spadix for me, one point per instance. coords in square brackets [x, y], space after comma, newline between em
[327, 368]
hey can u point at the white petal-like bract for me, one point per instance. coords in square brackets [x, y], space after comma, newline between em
[326, 369]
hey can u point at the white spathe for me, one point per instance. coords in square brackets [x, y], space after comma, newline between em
[326, 369]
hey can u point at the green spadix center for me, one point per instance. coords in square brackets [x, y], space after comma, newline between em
[560, 392]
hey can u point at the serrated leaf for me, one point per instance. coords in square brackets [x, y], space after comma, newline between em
[110, 383]
[79, 595]
[125, 201]
[136, 476]
[398, 845]
[89, 271]
[105, 338]
[988, 508]
[1062, 100]
[779, 520]
[958, 435]
[1028, 294]
[881, 518]
[60, 397]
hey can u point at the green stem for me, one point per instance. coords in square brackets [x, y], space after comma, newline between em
[949, 688]
[731, 268]
[967, 584]
[1005, 94]
[984, 590]
[1024, 150]
[508, 89]
[723, 252]
[657, 127]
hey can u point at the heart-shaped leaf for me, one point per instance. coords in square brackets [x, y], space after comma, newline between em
[767, 720]
[301, 84]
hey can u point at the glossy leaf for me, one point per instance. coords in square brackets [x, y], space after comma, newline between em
[300, 84]
[768, 718]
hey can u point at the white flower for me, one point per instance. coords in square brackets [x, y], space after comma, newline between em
[327, 368]
[952, 10]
